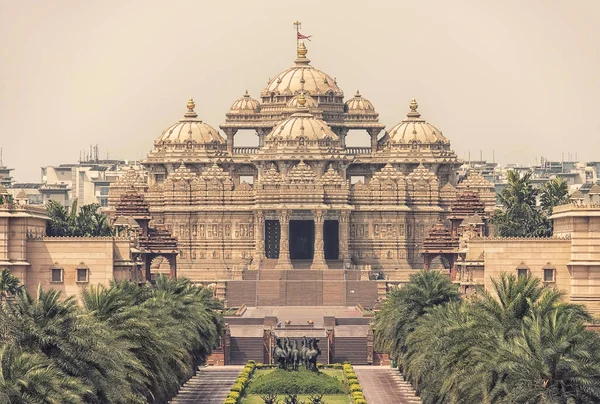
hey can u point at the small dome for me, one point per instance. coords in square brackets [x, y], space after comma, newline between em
[190, 129]
[302, 125]
[246, 105]
[358, 105]
[414, 128]
[302, 77]
[309, 102]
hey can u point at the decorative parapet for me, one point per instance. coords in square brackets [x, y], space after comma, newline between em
[501, 239]
[107, 238]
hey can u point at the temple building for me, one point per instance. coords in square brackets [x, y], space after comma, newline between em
[301, 199]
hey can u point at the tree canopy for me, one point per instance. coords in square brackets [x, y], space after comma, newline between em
[518, 343]
[520, 216]
[86, 221]
[125, 344]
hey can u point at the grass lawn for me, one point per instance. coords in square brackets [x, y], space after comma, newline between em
[330, 399]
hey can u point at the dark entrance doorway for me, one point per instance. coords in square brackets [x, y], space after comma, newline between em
[272, 234]
[331, 239]
[302, 239]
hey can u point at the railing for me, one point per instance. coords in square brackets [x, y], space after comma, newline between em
[358, 150]
[245, 150]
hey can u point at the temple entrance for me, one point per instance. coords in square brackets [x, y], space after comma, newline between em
[302, 239]
[272, 234]
[331, 239]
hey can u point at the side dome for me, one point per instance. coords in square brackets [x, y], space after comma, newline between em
[302, 78]
[358, 105]
[414, 129]
[190, 131]
[245, 105]
[302, 126]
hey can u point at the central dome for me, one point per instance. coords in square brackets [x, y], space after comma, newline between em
[302, 78]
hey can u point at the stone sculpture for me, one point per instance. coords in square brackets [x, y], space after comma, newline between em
[287, 355]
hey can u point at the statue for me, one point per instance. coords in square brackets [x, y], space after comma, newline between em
[288, 356]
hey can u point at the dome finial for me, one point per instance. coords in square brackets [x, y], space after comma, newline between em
[357, 94]
[246, 94]
[414, 105]
[301, 52]
[301, 100]
[413, 109]
[190, 106]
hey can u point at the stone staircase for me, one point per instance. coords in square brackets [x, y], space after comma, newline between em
[384, 385]
[406, 389]
[244, 349]
[210, 385]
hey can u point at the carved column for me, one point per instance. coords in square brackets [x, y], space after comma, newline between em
[230, 132]
[319, 253]
[173, 266]
[284, 241]
[344, 235]
[261, 136]
[259, 237]
[373, 133]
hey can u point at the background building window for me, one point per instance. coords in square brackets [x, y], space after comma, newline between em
[56, 275]
[82, 275]
[522, 270]
[548, 275]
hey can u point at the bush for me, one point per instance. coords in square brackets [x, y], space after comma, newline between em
[230, 401]
[234, 394]
[355, 387]
[301, 382]
[360, 401]
[238, 387]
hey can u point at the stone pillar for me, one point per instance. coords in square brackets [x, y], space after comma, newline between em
[259, 238]
[261, 136]
[284, 241]
[344, 235]
[342, 132]
[373, 133]
[173, 267]
[227, 346]
[230, 132]
[319, 253]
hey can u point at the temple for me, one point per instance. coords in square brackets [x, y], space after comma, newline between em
[302, 199]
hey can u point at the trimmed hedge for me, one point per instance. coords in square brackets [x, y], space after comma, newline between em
[302, 381]
[356, 391]
[238, 388]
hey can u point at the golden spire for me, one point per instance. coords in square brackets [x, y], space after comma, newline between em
[190, 106]
[302, 51]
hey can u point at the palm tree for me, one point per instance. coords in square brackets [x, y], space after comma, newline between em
[520, 217]
[397, 318]
[553, 193]
[74, 343]
[31, 378]
[10, 285]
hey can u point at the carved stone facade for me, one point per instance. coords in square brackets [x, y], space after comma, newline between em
[302, 199]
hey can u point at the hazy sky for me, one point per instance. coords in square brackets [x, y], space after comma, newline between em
[518, 77]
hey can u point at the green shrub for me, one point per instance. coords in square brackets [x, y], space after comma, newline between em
[338, 366]
[355, 387]
[230, 401]
[301, 382]
[251, 362]
[234, 394]
[238, 387]
[360, 401]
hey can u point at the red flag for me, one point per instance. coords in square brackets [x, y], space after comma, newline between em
[300, 36]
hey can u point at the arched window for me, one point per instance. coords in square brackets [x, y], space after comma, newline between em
[522, 270]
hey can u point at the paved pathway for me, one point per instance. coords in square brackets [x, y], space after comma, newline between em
[210, 385]
[383, 385]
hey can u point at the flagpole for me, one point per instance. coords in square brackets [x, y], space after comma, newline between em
[298, 24]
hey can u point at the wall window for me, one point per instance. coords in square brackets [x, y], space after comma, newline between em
[549, 273]
[56, 275]
[82, 275]
[104, 191]
[522, 272]
[356, 178]
[248, 179]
